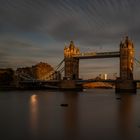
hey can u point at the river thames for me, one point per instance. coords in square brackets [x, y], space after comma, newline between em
[94, 114]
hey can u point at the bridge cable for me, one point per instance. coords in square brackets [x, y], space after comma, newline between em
[54, 72]
[137, 60]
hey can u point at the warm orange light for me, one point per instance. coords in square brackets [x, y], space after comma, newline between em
[33, 98]
[33, 113]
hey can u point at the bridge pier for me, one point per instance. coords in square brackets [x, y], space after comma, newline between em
[70, 85]
[125, 86]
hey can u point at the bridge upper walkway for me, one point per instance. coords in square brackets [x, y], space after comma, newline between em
[89, 55]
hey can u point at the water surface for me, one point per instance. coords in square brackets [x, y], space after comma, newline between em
[93, 114]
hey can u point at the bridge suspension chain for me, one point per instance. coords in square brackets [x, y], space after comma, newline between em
[54, 73]
[137, 61]
[59, 65]
[24, 76]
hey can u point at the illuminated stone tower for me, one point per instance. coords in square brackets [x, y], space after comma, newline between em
[126, 59]
[71, 64]
[125, 83]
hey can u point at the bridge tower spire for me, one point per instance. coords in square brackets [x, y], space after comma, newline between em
[71, 63]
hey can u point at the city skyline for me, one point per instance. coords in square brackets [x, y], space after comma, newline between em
[32, 31]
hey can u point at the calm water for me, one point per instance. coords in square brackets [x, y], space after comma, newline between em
[93, 114]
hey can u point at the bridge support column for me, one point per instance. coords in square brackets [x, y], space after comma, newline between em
[125, 82]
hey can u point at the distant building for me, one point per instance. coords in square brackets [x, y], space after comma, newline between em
[6, 76]
[103, 76]
[38, 71]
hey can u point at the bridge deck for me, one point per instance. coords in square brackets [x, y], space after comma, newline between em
[78, 81]
[93, 80]
[40, 81]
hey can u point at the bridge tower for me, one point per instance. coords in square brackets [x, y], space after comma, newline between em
[71, 68]
[71, 64]
[125, 82]
[126, 59]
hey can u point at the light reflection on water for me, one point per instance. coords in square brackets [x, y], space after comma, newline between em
[92, 114]
[71, 115]
[125, 113]
[34, 113]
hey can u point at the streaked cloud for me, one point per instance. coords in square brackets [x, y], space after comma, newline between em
[35, 30]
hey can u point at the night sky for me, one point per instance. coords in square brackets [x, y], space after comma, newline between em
[38, 30]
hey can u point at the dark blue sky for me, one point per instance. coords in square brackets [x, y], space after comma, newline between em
[37, 30]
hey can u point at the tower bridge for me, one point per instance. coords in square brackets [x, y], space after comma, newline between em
[72, 55]
[125, 82]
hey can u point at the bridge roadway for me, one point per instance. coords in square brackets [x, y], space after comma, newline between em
[105, 81]
[94, 80]
[78, 81]
[49, 82]
[97, 55]
[39, 81]
[54, 84]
